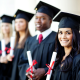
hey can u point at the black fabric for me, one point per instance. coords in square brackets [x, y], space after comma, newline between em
[72, 74]
[67, 22]
[15, 72]
[59, 75]
[5, 69]
[23, 14]
[41, 52]
[76, 68]
[47, 9]
[6, 19]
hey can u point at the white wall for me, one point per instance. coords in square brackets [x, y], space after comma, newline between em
[10, 6]
[7, 7]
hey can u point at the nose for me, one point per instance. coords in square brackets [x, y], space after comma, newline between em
[38, 20]
[63, 36]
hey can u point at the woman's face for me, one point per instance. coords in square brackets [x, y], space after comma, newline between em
[65, 37]
[5, 28]
[20, 24]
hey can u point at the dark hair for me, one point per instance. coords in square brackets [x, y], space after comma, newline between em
[67, 63]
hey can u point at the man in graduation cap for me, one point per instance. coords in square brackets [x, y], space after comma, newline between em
[42, 45]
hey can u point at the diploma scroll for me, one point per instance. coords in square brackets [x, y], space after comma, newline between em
[3, 47]
[12, 42]
[51, 65]
[30, 58]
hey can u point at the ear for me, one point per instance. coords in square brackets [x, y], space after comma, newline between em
[50, 21]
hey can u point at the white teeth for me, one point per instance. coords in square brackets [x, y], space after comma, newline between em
[38, 26]
[64, 41]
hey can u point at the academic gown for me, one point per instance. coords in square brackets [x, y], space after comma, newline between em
[5, 69]
[40, 52]
[15, 72]
[72, 74]
[59, 75]
[76, 68]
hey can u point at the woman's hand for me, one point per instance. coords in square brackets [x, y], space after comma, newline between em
[3, 59]
[9, 57]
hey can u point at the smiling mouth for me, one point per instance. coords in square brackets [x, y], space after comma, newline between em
[38, 26]
[64, 41]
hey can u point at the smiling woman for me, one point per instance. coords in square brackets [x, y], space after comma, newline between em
[67, 46]
[65, 37]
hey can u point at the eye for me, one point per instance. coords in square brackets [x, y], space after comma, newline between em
[43, 18]
[6, 25]
[36, 18]
[21, 21]
[59, 32]
[68, 33]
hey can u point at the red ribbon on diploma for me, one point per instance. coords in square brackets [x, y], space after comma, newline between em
[50, 67]
[6, 49]
[31, 67]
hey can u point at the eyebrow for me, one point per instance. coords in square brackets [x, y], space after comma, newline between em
[66, 31]
[40, 16]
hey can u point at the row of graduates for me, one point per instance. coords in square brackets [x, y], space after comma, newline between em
[65, 42]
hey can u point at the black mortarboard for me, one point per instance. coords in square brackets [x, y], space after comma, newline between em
[67, 20]
[23, 14]
[47, 9]
[6, 19]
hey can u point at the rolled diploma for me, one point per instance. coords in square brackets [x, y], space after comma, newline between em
[29, 58]
[52, 59]
[3, 47]
[12, 41]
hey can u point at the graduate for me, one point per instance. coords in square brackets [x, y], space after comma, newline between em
[41, 50]
[68, 47]
[22, 18]
[6, 33]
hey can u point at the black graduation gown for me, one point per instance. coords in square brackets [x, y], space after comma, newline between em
[40, 52]
[15, 72]
[5, 69]
[76, 68]
[72, 74]
[59, 75]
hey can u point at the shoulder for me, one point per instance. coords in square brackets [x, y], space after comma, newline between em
[30, 39]
[0, 42]
[53, 34]
[51, 37]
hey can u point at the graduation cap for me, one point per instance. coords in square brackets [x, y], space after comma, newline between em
[67, 20]
[22, 14]
[47, 9]
[6, 19]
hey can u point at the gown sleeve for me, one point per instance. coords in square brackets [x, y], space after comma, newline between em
[76, 68]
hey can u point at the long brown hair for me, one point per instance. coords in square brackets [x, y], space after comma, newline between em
[27, 34]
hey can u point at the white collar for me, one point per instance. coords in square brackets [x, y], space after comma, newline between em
[45, 33]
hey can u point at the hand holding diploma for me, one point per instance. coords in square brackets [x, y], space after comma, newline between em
[31, 63]
[51, 66]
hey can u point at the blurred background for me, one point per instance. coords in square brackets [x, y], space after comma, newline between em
[9, 7]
